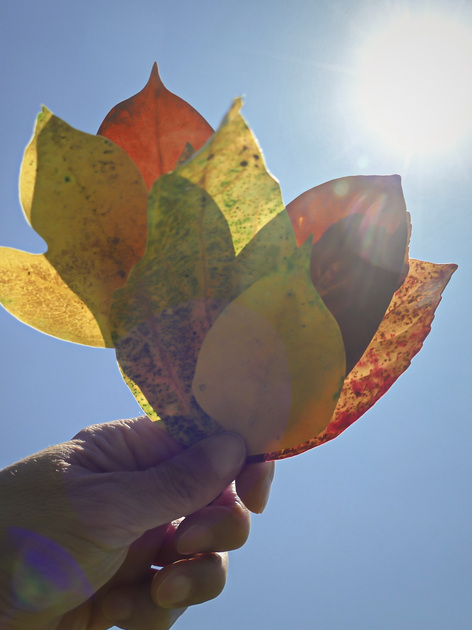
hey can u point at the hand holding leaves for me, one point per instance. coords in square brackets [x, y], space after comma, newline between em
[226, 310]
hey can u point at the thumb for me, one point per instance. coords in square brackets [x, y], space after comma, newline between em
[181, 485]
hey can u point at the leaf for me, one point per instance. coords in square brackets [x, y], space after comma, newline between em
[270, 247]
[153, 127]
[172, 297]
[189, 273]
[231, 169]
[399, 338]
[88, 201]
[33, 291]
[361, 230]
[272, 366]
[316, 210]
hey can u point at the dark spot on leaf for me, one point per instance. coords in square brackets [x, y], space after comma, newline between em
[243, 163]
[67, 179]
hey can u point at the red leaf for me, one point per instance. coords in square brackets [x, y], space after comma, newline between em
[360, 228]
[154, 128]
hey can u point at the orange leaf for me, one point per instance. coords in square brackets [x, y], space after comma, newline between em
[399, 338]
[154, 128]
[316, 210]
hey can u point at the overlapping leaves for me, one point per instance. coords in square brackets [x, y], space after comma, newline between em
[226, 311]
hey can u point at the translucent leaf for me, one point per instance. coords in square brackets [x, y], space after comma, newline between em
[198, 216]
[361, 230]
[172, 297]
[231, 169]
[269, 248]
[153, 127]
[33, 291]
[272, 366]
[399, 338]
[88, 201]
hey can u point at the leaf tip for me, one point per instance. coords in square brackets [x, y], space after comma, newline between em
[43, 118]
[154, 78]
[235, 108]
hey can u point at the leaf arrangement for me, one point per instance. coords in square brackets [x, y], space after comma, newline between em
[227, 310]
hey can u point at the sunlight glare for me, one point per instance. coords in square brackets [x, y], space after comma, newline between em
[415, 88]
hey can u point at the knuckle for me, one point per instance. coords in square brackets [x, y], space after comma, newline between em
[178, 485]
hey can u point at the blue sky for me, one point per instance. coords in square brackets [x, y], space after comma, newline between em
[372, 530]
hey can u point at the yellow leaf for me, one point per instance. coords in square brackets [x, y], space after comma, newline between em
[33, 291]
[231, 168]
[272, 366]
[88, 201]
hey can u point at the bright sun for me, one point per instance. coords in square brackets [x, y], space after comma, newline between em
[415, 87]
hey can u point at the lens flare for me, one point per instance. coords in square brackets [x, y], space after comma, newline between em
[44, 573]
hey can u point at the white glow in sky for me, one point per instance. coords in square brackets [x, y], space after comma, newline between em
[414, 88]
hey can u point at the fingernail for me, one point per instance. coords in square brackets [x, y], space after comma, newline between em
[265, 493]
[116, 607]
[227, 454]
[195, 540]
[174, 590]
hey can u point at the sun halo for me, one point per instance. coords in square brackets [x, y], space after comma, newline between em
[414, 83]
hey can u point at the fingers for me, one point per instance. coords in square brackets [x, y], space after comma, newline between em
[160, 603]
[253, 485]
[221, 526]
[191, 581]
[225, 523]
[132, 608]
[134, 502]
[195, 477]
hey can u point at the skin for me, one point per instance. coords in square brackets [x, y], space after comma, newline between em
[84, 524]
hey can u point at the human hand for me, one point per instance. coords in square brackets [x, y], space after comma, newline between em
[83, 524]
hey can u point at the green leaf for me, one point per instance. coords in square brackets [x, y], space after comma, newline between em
[172, 298]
